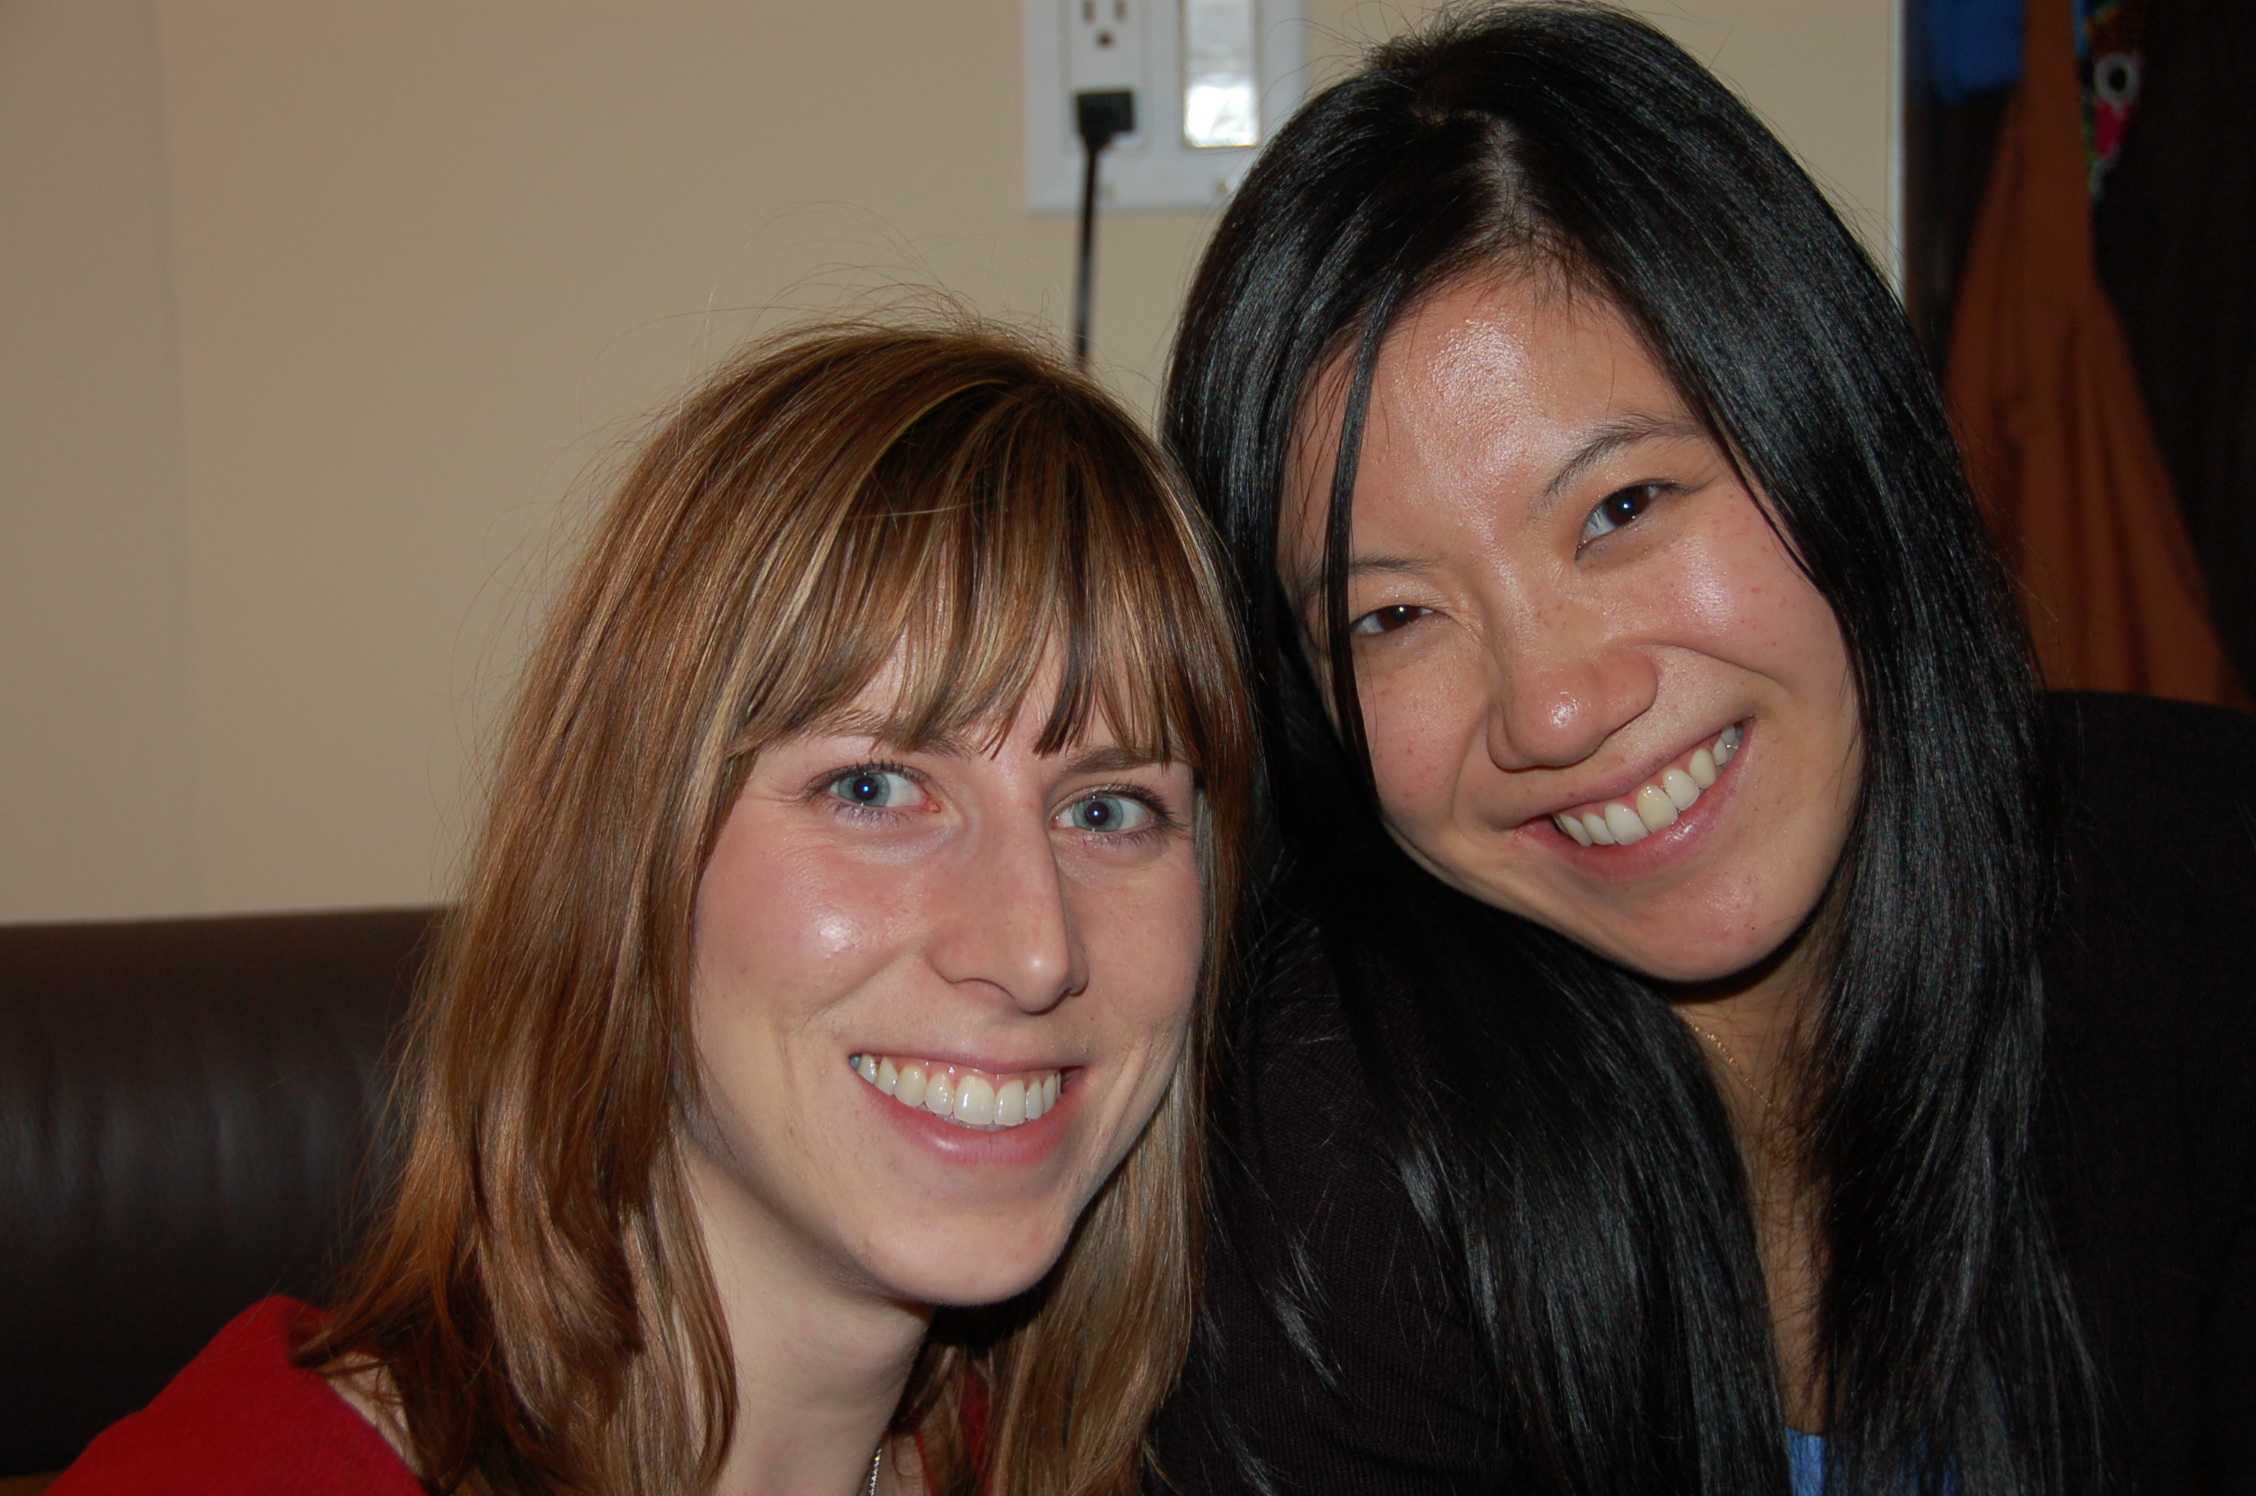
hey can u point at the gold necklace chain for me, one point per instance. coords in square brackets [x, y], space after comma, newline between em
[1733, 1061]
[876, 1460]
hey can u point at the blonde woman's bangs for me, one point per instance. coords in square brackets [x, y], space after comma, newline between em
[1021, 554]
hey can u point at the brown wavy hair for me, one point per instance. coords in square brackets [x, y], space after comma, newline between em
[535, 1301]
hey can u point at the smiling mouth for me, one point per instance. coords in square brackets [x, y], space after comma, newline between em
[960, 1094]
[1657, 803]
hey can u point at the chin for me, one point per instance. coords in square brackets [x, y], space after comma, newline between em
[1696, 955]
[971, 1272]
[1680, 969]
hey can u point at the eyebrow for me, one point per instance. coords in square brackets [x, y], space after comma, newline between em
[1306, 585]
[1109, 759]
[1607, 439]
[878, 728]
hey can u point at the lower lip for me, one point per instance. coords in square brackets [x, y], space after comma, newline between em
[1005, 1148]
[1660, 850]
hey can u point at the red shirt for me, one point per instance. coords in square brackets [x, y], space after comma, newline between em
[241, 1420]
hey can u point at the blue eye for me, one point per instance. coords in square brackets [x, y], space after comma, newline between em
[1619, 509]
[1107, 814]
[875, 789]
[1388, 620]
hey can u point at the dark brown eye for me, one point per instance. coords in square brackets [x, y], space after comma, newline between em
[1387, 620]
[1619, 509]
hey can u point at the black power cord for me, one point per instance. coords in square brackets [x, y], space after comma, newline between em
[1100, 116]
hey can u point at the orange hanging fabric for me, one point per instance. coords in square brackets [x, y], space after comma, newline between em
[2048, 404]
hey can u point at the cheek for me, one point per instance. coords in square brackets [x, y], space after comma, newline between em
[781, 931]
[762, 919]
[1146, 946]
[1755, 610]
[1740, 588]
[1421, 724]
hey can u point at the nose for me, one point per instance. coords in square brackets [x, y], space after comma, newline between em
[1560, 694]
[1008, 923]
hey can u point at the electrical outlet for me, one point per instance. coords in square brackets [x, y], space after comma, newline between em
[1104, 50]
[1213, 80]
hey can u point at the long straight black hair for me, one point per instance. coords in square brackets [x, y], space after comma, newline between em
[1554, 1125]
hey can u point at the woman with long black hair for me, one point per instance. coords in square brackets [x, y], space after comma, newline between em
[1722, 1028]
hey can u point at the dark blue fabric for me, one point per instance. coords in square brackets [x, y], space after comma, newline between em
[1806, 1454]
[1960, 48]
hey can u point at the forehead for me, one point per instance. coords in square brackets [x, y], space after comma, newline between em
[1489, 386]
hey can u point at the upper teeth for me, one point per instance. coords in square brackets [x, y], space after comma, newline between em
[1655, 805]
[960, 1094]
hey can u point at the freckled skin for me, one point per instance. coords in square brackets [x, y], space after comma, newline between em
[1531, 660]
[974, 924]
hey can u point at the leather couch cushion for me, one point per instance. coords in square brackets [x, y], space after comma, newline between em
[189, 1120]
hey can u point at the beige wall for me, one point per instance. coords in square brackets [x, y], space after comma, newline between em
[319, 319]
[98, 753]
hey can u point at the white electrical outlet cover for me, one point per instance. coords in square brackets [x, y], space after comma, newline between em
[1155, 167]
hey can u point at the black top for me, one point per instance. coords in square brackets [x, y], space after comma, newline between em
[2149, 1158]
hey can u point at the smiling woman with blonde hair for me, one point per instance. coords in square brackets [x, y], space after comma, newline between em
[837, 959]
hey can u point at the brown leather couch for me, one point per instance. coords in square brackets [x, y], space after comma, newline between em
[189, 1120]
